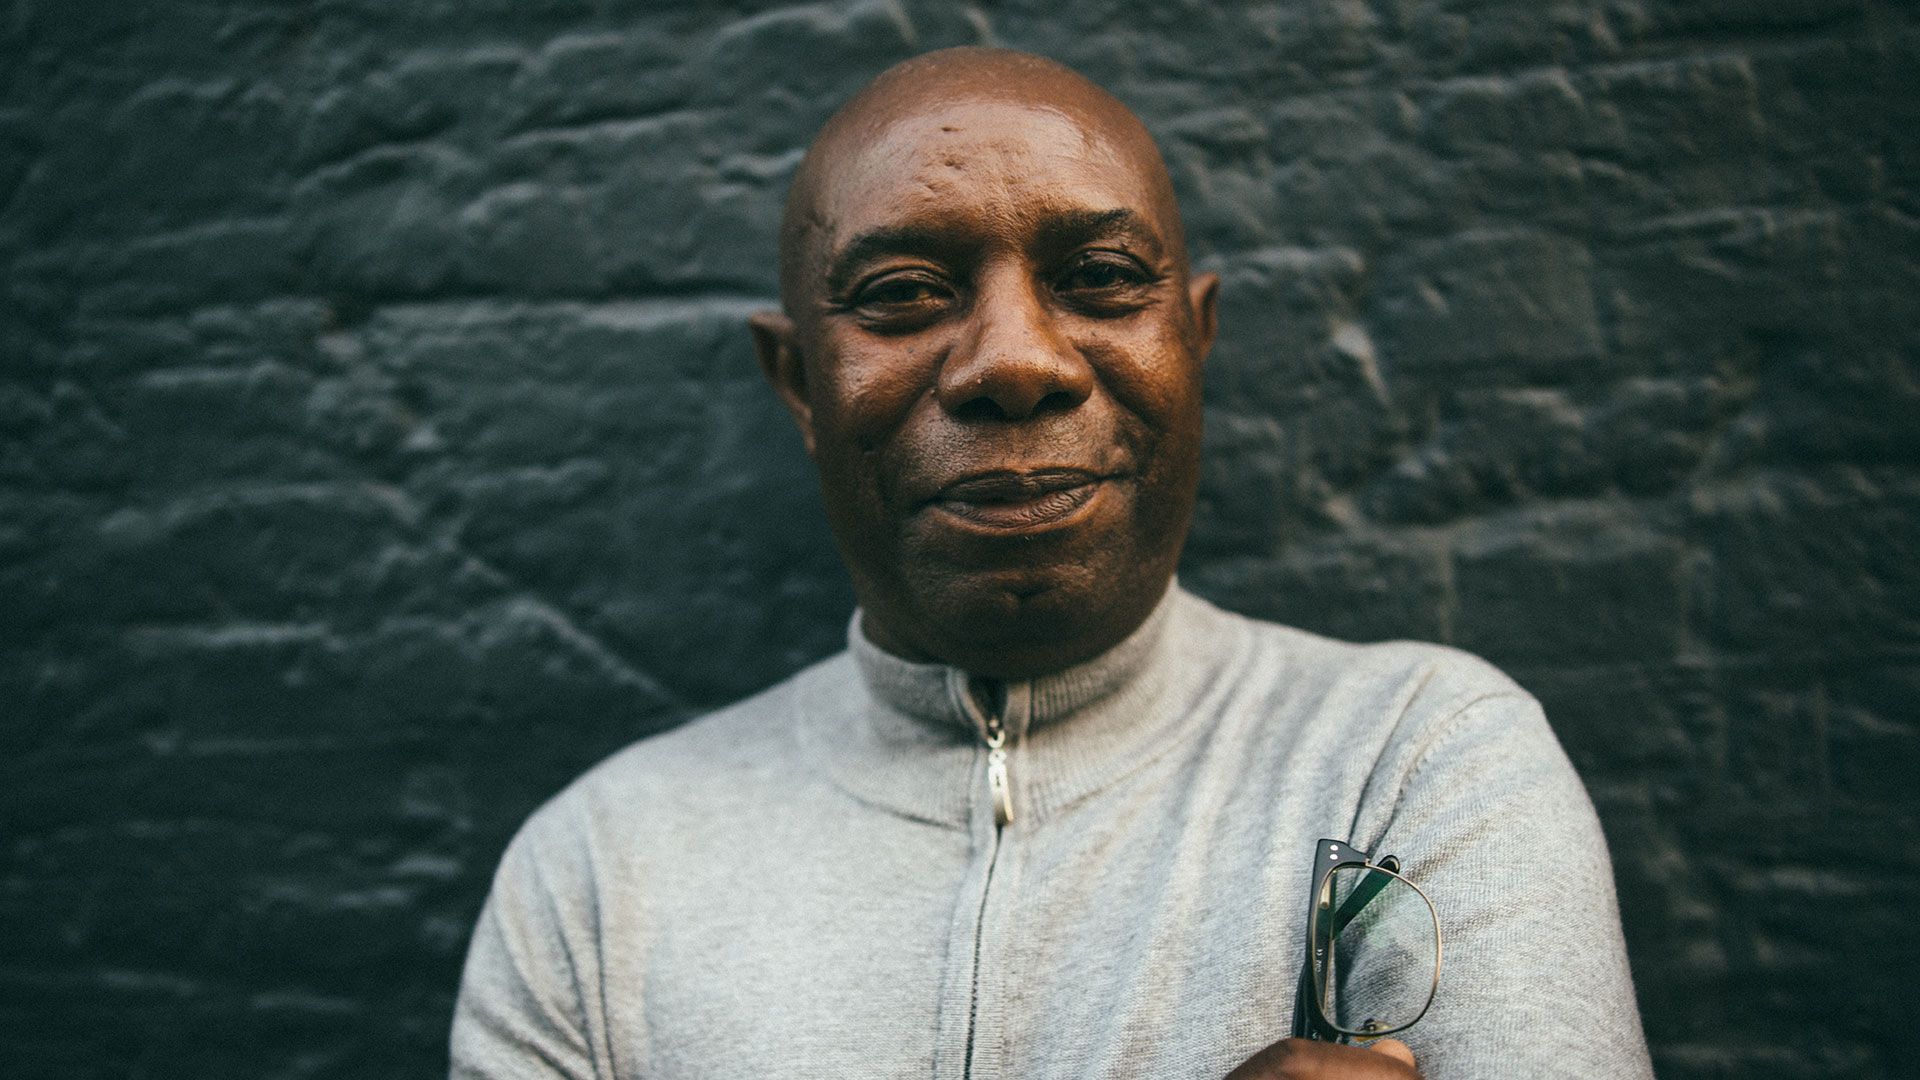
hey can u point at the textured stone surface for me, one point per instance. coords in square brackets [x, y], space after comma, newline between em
[380, 445]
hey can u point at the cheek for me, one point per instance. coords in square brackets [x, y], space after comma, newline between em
[870, 389]
[1150, 373]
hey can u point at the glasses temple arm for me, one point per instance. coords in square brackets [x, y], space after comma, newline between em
[1363, 894]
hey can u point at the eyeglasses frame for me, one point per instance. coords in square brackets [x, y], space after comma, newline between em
[1309, 1019]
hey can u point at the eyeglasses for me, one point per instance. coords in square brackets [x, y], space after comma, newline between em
[1373, 949]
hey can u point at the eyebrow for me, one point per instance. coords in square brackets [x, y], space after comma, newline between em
[1064, 229]
[1079, 226]
[886, 240]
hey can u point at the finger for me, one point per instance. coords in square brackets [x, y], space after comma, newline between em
[1394, 1049]
[1295, 1059]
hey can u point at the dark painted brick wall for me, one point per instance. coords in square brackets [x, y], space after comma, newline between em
[380, 445]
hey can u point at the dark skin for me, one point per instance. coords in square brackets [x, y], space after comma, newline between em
[992, 345]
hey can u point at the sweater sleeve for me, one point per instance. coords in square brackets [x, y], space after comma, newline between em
[520, 1014]
[1493, 823]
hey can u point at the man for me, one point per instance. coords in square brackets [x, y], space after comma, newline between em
[1048, 816]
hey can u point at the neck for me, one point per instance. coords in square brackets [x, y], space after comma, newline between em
[1012, 637]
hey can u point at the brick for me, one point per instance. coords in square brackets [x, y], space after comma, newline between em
[1805, 565]
[1496, 447]
[1717, 281]
[1653, 728]
[1513, 300]
[1354, 184]
[1685, 135]
[1291, 303]
[270, 551]
[797, 61]
[1569, 584]
[425, 94]
[1281, 42]
[1532, 112]
[587, 77]
[107, 346]
[1650, 434]
[1251, 496]
[180, 129]
[526, 237]
[701, 217]
[73, 442]
[1490, 448]
[1670, 16]
[548, 384]
[224, 263]
[1874, 740]
[386, 222]
[1373, 592]
[1221, 166]
[1777, 746]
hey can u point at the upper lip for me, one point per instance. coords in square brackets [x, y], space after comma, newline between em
[1014, 485]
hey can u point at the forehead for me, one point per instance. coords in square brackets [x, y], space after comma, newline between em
[994, 164]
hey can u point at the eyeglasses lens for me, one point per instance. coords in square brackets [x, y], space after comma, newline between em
[1376, 954]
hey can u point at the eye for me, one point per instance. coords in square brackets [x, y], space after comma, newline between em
[897, 289]
[1100, 273]
[900, 301]
[1105, 282]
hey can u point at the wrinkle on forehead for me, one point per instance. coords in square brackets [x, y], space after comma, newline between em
[920, 115]
[1002, 154]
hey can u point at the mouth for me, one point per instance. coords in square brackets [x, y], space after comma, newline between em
[1010, 501]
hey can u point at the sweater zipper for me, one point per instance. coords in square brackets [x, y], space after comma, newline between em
[997, 782]
[1000, 787]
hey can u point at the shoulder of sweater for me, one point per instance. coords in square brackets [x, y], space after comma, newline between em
[713, 751]
[1414, 686]
[1387, 714]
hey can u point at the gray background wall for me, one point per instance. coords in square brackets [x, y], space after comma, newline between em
[380, 445]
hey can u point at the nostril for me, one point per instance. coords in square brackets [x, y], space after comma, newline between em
[1006, 406]
[979, 408]
[1057, 401]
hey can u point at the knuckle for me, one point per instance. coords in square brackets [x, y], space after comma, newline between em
[1286, 1060]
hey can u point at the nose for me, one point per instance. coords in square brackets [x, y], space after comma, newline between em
[1012, 361]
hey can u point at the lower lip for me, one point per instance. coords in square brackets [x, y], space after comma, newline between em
[1048, 511]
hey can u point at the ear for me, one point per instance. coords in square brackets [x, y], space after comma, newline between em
[1203, 298]
[773, 340]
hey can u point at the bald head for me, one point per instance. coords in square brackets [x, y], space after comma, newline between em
[954, 92]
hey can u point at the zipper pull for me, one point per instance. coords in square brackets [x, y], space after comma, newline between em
[997, 782]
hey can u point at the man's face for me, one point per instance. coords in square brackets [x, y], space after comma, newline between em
[996, 363]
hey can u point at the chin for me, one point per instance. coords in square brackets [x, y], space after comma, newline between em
[1015, 606]
[1034, 618]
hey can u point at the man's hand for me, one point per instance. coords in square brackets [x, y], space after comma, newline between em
[1304, 1059]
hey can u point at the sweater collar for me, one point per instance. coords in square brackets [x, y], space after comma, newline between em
[909, 736]
[941, 696]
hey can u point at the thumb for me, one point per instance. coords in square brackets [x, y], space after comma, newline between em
[1394, 1049]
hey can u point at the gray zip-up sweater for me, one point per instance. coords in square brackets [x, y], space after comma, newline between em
[813, 882]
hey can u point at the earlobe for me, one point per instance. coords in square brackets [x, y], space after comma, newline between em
[1203, 296]
[780, 361]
